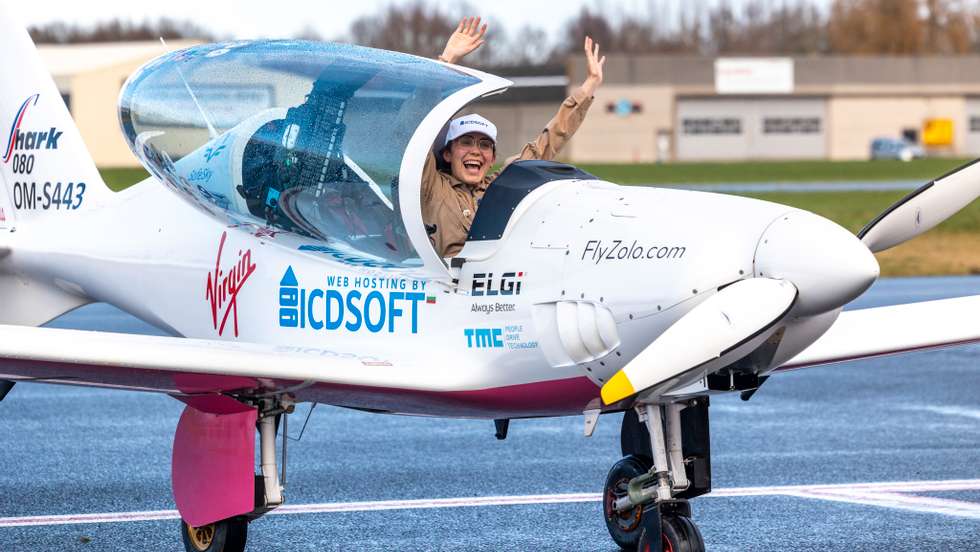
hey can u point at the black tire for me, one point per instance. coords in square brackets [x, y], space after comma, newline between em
[679, 534]
[646, 544]
[228, 535]
[624, 527]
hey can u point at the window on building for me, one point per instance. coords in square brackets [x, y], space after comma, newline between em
[791, 125]
[974, 124]
[708, 125]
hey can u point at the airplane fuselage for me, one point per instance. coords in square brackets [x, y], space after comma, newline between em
[586, 275]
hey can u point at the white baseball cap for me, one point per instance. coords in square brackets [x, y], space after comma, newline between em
[470, 123]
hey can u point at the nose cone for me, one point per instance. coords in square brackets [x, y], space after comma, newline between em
[829, 265]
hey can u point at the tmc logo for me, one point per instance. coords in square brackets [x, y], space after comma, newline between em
[484, 338]
[484, 284]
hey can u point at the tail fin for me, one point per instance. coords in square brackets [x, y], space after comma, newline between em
[44, 165]
[45, 171]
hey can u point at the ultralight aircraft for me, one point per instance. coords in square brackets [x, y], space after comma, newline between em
[280, 241]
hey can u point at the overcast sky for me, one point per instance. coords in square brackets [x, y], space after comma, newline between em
[330, 18]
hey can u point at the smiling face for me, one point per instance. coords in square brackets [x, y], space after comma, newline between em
[470, 157]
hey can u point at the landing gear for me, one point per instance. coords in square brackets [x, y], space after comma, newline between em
[666, 462]
[227, 535]
[677, 534]
[202, 499]
[624, 526]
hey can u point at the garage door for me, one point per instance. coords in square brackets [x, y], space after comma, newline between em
[751, 128]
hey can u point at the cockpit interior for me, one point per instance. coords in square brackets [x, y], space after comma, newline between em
[309, 139]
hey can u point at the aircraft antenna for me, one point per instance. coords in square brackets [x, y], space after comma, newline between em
[212, 133]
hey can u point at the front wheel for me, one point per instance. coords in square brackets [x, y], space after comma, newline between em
[227, 535]
[678, 534]
[624, 527]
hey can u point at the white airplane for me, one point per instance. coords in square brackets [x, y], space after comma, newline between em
[280, 240]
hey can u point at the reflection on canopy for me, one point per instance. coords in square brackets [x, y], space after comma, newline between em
[305, 137]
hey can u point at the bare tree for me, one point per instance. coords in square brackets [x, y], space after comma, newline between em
[527, 46]
[117, 30]
[948, 27]
[902, 27]
[588, 23]
[875, 27]
[709, 27]
[309, 32]
[414, 29]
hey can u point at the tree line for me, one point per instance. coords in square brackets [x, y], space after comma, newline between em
[696, 27]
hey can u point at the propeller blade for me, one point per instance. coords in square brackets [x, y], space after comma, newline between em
[723, 325]
[923, 209]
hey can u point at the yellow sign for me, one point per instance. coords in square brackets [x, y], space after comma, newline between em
[937, 132]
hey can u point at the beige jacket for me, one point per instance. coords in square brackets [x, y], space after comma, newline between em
[450, 205]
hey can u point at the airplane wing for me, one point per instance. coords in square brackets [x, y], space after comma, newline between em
[201, 372]
[881, 331]
[187, 366]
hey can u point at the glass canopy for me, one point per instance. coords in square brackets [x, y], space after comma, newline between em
[302, 136]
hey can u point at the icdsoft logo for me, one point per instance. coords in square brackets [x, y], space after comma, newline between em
[224, 284]
[354, 303]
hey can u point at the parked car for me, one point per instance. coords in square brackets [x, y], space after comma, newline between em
[895, 148]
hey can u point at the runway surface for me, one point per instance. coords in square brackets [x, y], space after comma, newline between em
[872, 455]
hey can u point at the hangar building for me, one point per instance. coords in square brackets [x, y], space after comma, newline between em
[693, 108]
[89, 77]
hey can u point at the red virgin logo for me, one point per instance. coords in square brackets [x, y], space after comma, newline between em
[223, 287]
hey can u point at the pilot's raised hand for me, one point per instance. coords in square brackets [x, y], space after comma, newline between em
[467, 37]
[594, 62]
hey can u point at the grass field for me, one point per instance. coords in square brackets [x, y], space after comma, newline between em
[118, 179]
[774, 171]
[951, 248]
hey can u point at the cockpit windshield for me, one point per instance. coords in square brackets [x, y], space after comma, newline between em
[304, 137]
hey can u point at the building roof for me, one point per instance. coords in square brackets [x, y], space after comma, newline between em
[820, 74]
[69, 59]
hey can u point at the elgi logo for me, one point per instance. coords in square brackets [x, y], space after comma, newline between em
[484, 338]
[484, 284]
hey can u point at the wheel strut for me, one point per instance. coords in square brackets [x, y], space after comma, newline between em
[269, 487]
[667, 474]
[654, 513]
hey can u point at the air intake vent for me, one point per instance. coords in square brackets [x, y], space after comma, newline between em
[575, 332]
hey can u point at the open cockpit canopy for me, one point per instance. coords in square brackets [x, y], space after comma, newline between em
[311, 139]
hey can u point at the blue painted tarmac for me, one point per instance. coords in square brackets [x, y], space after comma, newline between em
[913, 418]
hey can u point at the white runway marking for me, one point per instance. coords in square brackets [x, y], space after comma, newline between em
[965, 412]
[896, 495]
